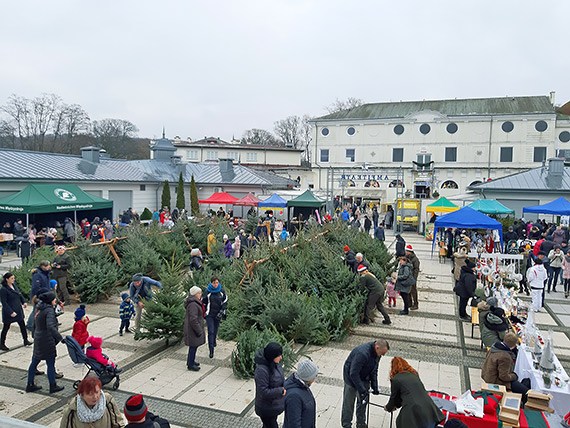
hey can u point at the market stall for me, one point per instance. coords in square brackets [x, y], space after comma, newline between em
[442, 205]
[304, 206]
[559, 206]
[490, 206]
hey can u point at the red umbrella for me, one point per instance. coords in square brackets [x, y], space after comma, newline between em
[220, 198]
[250, 200]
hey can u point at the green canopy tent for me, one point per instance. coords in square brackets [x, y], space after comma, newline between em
[442, 205]
[305, 203]
[52, 198]
[490, 206]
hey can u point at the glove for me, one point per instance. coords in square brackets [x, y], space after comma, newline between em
[375, 392]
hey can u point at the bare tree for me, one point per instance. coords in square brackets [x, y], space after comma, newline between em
[75, 121]
[306, 137]
[347, 104]
[114, 135]
[260, 137]
[7, 135]
[288, 130]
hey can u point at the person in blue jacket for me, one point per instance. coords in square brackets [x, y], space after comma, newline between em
[140, 289]
[300, 405]
[40, 285]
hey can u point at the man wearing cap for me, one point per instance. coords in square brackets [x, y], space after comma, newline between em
[300, 406]
[349, 258]
[140, 289]
[138, 416]
[61, 265]
[360, 373]
[376, 290]
[536, 277]
[416, 272]
[499, 366]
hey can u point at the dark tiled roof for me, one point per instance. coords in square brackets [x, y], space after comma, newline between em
[463, 107]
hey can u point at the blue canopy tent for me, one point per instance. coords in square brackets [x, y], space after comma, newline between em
[467, 218]
[558, 207]
[274, 201]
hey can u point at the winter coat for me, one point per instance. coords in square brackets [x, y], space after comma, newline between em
[65, 262]
[144, 291]
[555, 258]
[558, 236]
[215, 300]
[361, 368]
[498, 367]
[536, 276]
[97, 355]
[409, 393]
[79, 332]
[415, 265]
[46, 335]
[300, 405]
[269, 379]
[405, 278]
[467, 283]
[194, 322]
[511, 236]
[40, 283]
[151, 421]
[493, 326]
[547, 246]
[400, 248]
[211, 243]
[458, 262]
[228, 250]
[370, 283]
[379, 233]
[367, 224]
[196, 263]
[112, 417]
[391, 290]
[126, 310]
[12, 301]
[566, 267]
[350, 260]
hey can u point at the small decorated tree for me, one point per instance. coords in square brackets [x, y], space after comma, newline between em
[146, 214]
[195, 209]
[165, 199]
[180, 200]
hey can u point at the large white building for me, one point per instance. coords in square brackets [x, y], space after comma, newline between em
[441, 145]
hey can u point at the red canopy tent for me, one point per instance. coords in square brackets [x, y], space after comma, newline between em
[220, 198]
[250, 200]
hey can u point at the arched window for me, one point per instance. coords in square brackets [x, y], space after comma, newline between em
[473, 183]
[449, 184]
[394, 183]
[350, 183]
[371, 183]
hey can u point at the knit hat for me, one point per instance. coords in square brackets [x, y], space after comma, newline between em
[135, 408]
[195, 290]
[79, 312]
[556, 246]
[124, 295]
[511, 340]
[307, 370]
[47, 297]
[409, 248]
[492, 301]
[137, 277]
[470, 264]
[194, 251]
[52, 283]
[225, 237]
[272, 350]
[61, 247]
[95, 342]
[346, 248]
[361, 268]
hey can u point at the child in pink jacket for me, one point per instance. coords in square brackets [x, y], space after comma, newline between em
[94, 351]
[390, 290]
[566, 274]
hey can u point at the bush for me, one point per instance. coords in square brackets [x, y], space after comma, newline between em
[250, 341]
[23, 273]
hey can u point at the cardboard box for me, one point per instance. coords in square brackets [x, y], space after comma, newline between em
[533, 394]
[494, 388]
[531, 406]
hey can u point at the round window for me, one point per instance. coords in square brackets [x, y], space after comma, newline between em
[325, 132]
[398, 129]
[425, 128]
[564, 136]
[351, 131]
[507, 126]
[451, 128]
[541, 126]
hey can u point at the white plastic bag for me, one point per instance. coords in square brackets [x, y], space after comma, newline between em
[470, 406]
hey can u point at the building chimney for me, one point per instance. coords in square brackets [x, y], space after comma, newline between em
[103, 154]
[552, 97]
[90, 154]
[227, 169]
[176, 160]
[555, 173]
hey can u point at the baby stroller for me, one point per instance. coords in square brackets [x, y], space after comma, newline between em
[105, 373]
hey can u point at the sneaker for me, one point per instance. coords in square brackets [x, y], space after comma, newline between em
[386, 322]
[194, 368]
[58, 375]
[197, 364]
[33, 388]
[55, 388]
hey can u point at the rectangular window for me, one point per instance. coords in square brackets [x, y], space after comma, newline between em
[211, 155]
[539, 154]
[142, 187]
[232, 155]
[398, 155]
[251, 157]
[423, 162]
[324, 155]
[192, 155]
[564, 154]
[350, 155]
[451, 154]
[506, 154]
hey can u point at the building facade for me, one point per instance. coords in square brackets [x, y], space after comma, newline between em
[432, 147]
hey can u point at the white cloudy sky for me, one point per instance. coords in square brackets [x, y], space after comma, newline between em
[221, 67]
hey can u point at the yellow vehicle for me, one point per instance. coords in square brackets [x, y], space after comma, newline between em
[408, 212]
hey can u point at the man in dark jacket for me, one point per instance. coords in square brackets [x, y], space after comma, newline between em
[61, 265]
[40, 285]
[269, 380]
[375, 290]
[349, 258]
[138, 416]
[465, 287]
[414, 304]
[300, 406]
[511, 235]
[359, 374]
[400, 246]
[379, 232]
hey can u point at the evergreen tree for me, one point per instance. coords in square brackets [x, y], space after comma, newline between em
[146, 214]
[195, 209]
[180, 200]
[165, 200]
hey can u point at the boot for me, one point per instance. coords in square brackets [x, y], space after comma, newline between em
[3, 347]
[55, 388]
[33, 388]
[566, 294]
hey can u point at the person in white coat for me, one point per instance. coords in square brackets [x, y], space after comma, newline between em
[536, 276]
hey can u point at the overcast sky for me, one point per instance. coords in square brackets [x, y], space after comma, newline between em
[218, 68]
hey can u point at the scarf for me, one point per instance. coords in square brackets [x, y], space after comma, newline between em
[87, 415]
[211, 288]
